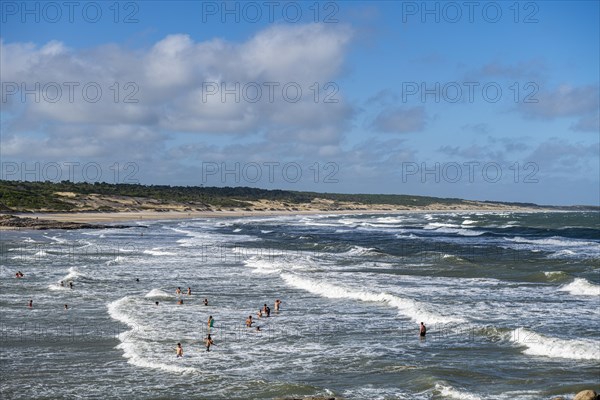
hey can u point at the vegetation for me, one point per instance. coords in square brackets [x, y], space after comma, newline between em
[44, 196]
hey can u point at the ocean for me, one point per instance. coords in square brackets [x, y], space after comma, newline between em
[511, 302]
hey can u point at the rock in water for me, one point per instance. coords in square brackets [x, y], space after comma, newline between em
[14, 222]
[586, 395]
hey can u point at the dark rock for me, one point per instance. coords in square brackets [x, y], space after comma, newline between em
[12, 221]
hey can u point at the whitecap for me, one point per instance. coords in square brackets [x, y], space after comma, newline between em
[158, 294]
[540, 345]
[407, 307]
[157, 252]
[448, 392]
[581, 287]
[359, 251]
[553, 241]
[132, 344]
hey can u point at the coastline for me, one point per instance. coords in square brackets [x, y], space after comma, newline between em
[91, 217]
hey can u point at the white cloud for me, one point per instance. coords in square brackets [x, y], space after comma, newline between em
[401, 120]
[161, 89]
[581, 102]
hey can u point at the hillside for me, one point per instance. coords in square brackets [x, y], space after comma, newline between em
[26, 197]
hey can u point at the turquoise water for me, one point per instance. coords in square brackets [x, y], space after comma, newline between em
[511, 302]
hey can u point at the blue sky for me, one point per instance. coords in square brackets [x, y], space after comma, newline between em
[495, 102]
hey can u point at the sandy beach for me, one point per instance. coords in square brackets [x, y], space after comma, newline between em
[125, 216]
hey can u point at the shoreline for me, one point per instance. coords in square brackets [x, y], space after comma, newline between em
[137, 216]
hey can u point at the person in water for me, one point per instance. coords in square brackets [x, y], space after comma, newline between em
[178, 291]
[62, 283]
[205, 302]
[208, 341]
[70, 285]
[156, 302]
[259, 313]
[189, 291]
[268, 311]
[249, 321]
[30, 304]
[180, 301]
[277, 304]
[66, 306]
[179, 350]
[211, 322]
[422, 331]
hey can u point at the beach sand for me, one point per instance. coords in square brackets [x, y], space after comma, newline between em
[125, 216]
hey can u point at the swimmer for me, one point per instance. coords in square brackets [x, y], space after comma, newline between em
[30, 304]
[265, 308]
[179, 350]
[62, 284]
[258, 329]
[66, 306]
[178, 291]
[180, 302]
[249, 321]
[205, 302]
[211, 322]
[208, 341]
[189, 292]
[277, 304]
[70, 285]
[259, 313]
[422, 331]
[156, 302]
[268, 311]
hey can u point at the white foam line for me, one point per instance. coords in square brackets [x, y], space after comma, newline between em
[540, 345]
[130, 343]
[581, 287]
[451, 393]
[406, 307]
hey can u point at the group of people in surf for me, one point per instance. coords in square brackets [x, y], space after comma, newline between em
[62, 284]
[265, 311]
[19, 275]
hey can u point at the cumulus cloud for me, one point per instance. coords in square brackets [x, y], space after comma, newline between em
[501, 150]
[400, 120]
[580, 102]
[530, 69]
[176, 86]
[479, 128]
[561, 157]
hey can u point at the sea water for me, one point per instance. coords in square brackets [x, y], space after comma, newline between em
[510, 300]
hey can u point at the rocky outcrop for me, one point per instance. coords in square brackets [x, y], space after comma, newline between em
[587, 395]
[14, 222]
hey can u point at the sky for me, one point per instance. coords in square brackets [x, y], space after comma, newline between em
[482, 100]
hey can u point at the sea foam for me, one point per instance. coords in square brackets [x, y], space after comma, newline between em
[132, 344]
[581, 287]
[407, 307]
[448, 392]
[540, 345]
